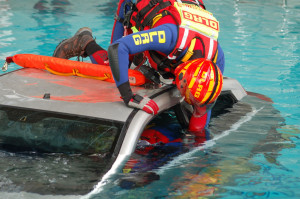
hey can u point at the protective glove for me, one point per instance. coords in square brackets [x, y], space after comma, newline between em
[144, 103]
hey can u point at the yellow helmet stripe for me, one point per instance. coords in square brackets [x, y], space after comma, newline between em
[210, 87]
[185, 68]
[219, 86]
[193, 80]
[211, 84]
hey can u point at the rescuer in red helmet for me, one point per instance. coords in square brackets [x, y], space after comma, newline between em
[200, 82]
[169, 34]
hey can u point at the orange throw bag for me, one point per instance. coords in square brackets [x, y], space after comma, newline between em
[66, 67]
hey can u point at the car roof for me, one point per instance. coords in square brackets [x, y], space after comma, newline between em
[36, 89]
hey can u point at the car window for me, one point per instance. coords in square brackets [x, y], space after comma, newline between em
[25, 129]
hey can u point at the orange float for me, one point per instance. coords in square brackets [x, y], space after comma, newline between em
[66, 67]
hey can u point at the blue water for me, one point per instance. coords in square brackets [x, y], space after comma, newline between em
[261, 41]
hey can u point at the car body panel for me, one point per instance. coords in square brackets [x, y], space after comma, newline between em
[37, 89]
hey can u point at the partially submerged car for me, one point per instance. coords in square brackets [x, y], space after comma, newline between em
[79, 115]
[47, 113]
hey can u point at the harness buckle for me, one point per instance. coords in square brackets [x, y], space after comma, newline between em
[126, 21]
[128, 13]
[178, 52]
[150, 73]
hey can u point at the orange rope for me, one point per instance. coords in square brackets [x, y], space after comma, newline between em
[75, 72]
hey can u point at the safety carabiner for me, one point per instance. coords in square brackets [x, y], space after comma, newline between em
[5, 66]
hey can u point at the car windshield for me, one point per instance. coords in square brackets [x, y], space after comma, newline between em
[42, 131]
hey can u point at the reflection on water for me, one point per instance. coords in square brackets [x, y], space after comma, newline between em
[51, 18]
[264, 50]
[49, 174]
[6, 35]
[38, 26]
[220, 165]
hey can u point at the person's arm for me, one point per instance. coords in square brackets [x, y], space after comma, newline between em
[220, 62]
[161, 38]
[118, 28]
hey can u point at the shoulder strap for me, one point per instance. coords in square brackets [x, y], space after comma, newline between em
[142, 20]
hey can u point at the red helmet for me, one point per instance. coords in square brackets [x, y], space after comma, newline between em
[200, 81]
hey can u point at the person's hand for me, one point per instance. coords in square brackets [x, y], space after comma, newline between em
[144, 103]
